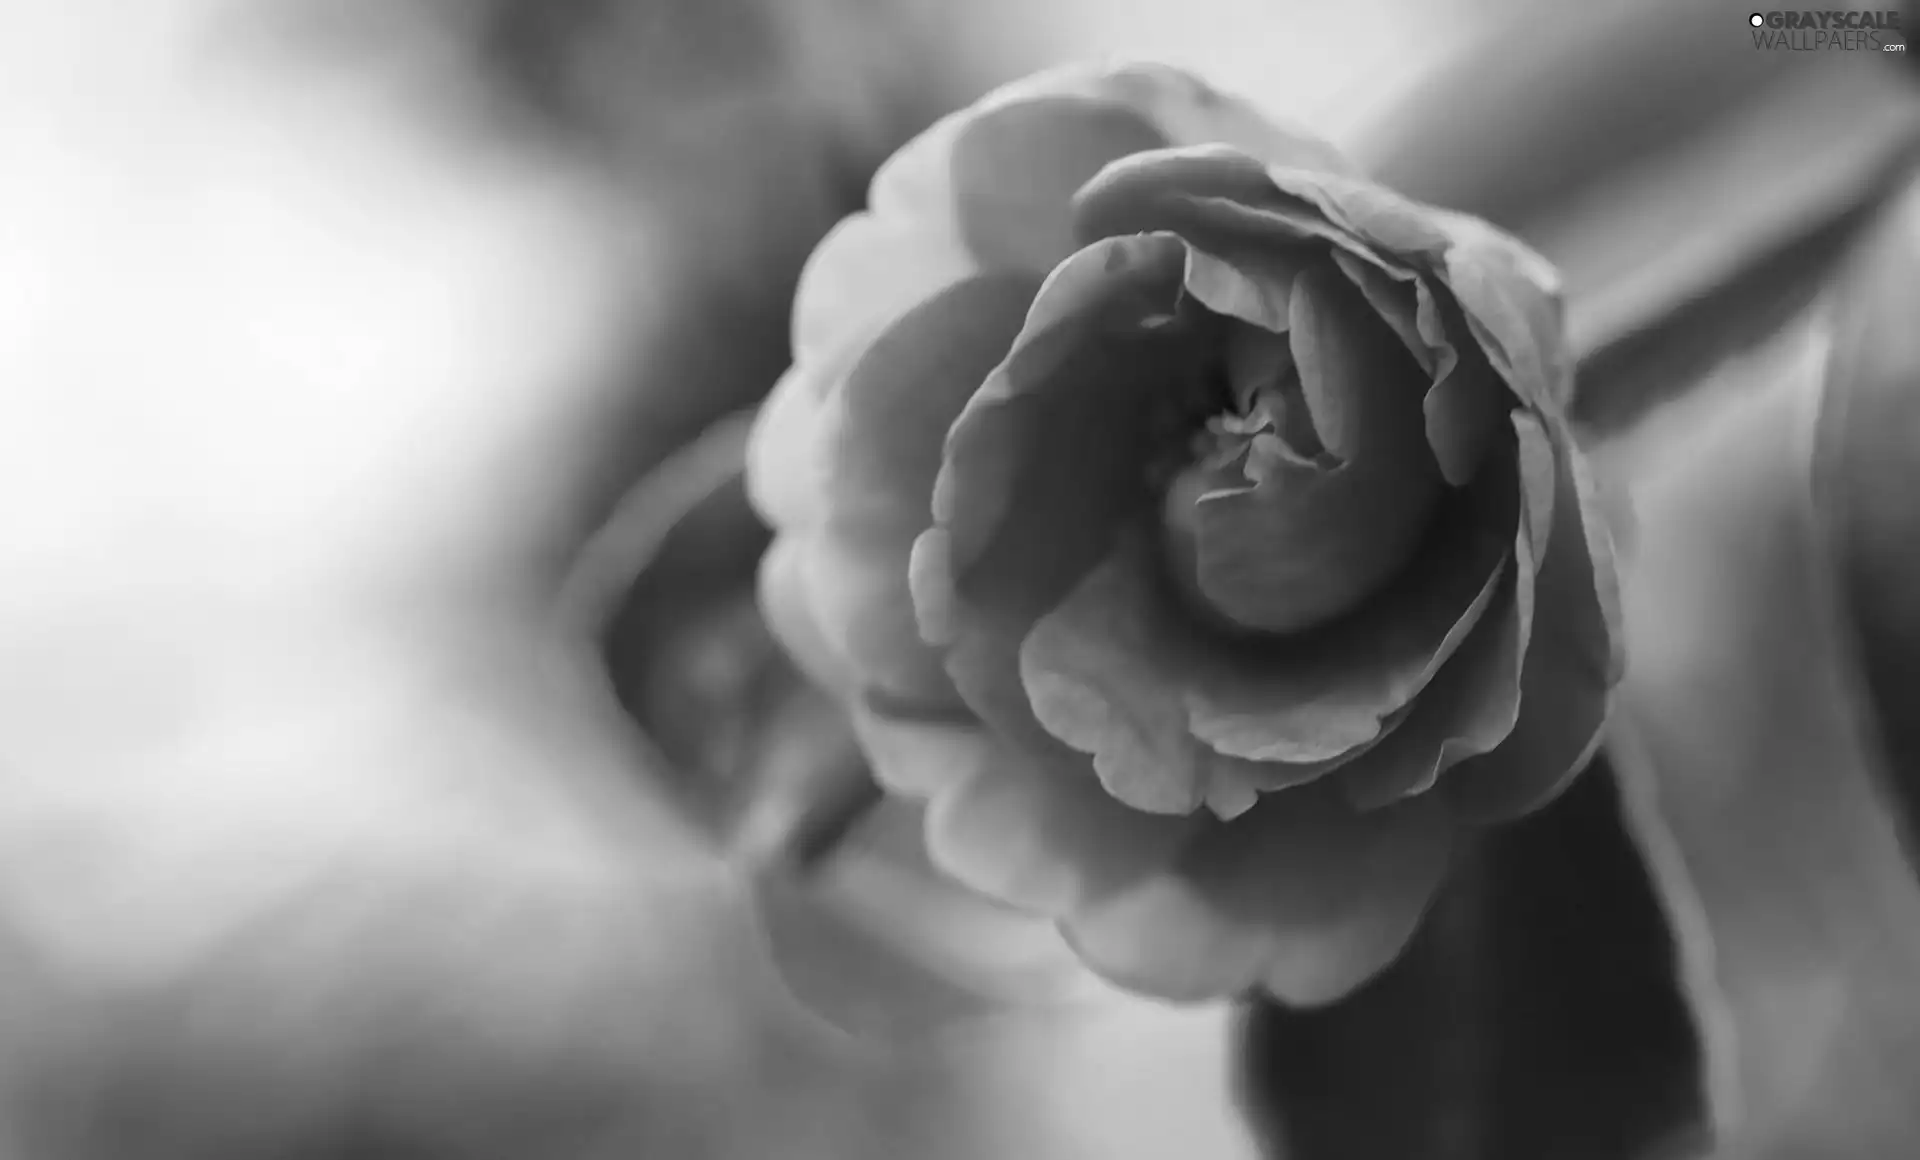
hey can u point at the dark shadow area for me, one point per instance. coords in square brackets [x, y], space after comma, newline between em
[1536, 1018]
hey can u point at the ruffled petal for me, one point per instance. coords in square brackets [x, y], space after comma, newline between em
[1225, 202]
[786, 470]
[1042, 835]
[1215, 196]
[861, 603]
[1016, 166]
[1395, 299]
[1539, 472]
[879, 451]
[870, 269]
[920, 758]
[895, 406]
[1032, 832]
[1513, 305]
[1330, 690]
[1101, 673]
[983, 663]
[1466, 402]
[788, 610]
[1572, 663]
[1302, 895]
[1245, 283]
[914, 239]
[1464, 411]
[1087, 667]
[1048, 457]
[1381, 218]
[1509, 294]
[1308, 540]
[1470, 708]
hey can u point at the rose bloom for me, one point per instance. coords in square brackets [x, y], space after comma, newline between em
[1193, 523]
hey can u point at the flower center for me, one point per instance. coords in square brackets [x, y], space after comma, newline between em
[1314, 490]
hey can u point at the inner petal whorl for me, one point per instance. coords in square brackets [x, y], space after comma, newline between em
[1320, 487]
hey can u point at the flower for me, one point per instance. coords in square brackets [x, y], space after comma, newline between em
[1195, 524]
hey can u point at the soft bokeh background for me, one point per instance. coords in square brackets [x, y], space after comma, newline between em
[329, 328]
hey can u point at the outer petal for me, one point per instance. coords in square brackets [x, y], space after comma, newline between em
[870, 269]
[1015, 168]
[784, 453]
[1057, 127]
[1572, 664]
[860, 602]
[1381, 218]
[881, 448]
[788, 610]
[1470, 708]
[1511, 296]
[1302, 895]
[1031, 833]
[894, 407]
[1217, 197]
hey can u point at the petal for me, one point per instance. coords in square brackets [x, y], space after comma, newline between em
[997, 172]
[1016, 166]
[1217, 197]
[1381, 218]
[983, 663]
[861, 604]
[1465, 405]
[1572, 664]
[1247, 284]
[1066, 425]
[1342, 354]
[1394, 299]
[1330, 690]
[785, 466]
[1225, 202]
[1539, 468]
[1511, 297]
[903, 394]
[1086, 667]
[1470, 707]
[788, 609]
[918, 758]
[1464, 409]
[1312, 541]
[1033, 833]
[1100, 672]
[869, 270]
[880, 450]
[1301, 895]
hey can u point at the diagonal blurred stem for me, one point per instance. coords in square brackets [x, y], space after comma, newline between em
[806, 786]
[614, 556]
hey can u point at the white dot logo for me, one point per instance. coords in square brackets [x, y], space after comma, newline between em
[1756, 20]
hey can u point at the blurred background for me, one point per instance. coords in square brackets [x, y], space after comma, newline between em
[331, 331]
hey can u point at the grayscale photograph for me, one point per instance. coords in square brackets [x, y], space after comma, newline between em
[903, 580]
